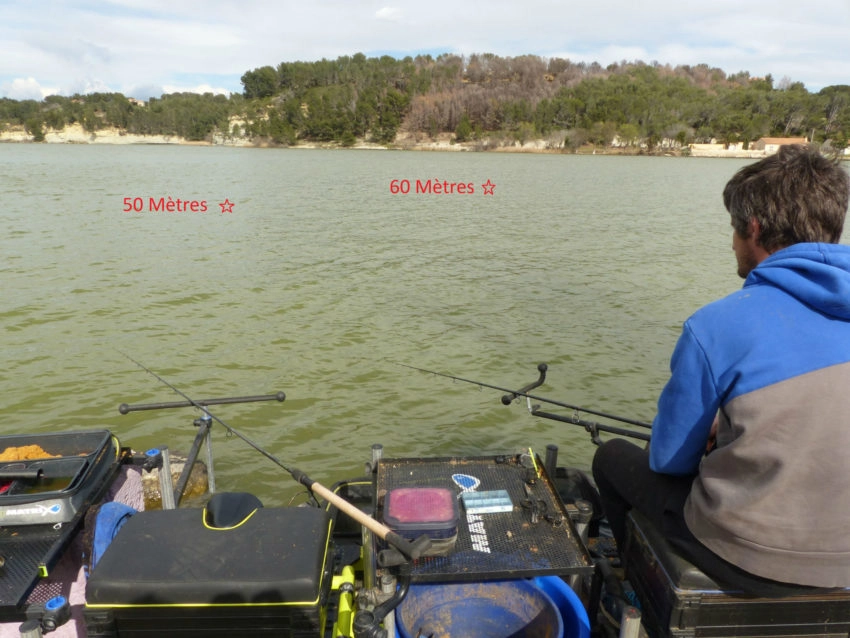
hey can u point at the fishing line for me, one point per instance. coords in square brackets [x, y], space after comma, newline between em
[520, 393]
[410, 549]
[291, 470]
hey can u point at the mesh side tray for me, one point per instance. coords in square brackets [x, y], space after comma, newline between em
[30, 550]
[535, 538]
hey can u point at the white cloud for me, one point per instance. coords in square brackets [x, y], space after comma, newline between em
[145, 92]
[85, 85]
[392, 14]
[24, 89]
[160, 43]
[197, 88]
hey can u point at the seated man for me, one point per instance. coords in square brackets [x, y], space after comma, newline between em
[746, 473]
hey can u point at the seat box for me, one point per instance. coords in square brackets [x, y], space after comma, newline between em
[678, 600]
[168, 573]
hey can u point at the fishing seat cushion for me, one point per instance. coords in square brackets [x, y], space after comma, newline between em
[171, 557]
[230, 509]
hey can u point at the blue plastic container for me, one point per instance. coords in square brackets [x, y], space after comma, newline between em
[573, 613]
[493, 609]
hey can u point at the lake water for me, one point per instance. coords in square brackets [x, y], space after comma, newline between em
[321, 280]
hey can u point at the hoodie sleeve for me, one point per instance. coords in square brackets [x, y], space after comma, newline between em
[686, 409]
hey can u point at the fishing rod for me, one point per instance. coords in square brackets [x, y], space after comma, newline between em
[524, 392]
[410, 549]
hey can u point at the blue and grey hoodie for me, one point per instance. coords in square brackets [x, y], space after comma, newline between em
[772, 361]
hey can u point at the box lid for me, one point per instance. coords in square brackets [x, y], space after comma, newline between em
[421, 508]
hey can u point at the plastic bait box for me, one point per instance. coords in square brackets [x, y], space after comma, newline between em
[432, 511]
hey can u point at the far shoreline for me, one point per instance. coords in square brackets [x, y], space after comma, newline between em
[75, 134]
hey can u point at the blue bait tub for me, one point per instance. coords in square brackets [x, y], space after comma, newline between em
[493, 609]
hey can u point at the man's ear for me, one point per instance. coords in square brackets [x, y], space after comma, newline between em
[754, 230]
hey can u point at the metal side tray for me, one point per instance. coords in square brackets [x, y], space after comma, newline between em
[529, 533]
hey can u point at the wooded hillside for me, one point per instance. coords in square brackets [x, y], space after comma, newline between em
[481, 97]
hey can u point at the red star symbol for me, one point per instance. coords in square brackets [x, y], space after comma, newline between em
[488, 187]
[227, 206]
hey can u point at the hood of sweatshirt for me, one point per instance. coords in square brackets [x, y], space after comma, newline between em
[817, 274]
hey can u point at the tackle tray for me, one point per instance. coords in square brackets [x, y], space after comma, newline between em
[51, 489]
[43, 502]
[535, 538]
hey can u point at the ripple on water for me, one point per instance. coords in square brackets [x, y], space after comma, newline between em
[321, 280]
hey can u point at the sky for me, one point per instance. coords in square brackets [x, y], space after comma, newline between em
[145, 48]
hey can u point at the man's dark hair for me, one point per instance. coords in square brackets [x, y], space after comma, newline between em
[797, 195]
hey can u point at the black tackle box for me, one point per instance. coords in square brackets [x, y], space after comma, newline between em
[679, 601]
[168, 573]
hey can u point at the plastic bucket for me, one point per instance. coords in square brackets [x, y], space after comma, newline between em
[494, 609]
[573, 613]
